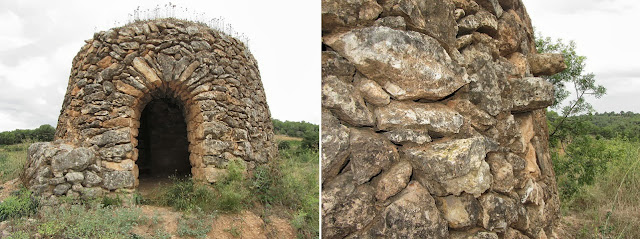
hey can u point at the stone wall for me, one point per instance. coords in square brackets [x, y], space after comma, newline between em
[211, 77]
[433, 121]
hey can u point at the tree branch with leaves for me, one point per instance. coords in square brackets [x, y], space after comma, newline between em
[573, 78]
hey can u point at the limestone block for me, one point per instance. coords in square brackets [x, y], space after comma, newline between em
[393, 180]
[438, 119]
[482, 21]
[335, 141]
[74, 177]
[511, 34]
[128, 89]
[91, 179]
[61, 189]
[371, 91]
[546, 64]
[369, 154]
[498, 212]
[209, 174]
[112, 137]
[141, 66]
[532, 192]
[115, 153]
[460, 212]
[410, 66]
[336, 65]
[78, 159]
[347, 207]
[531, 93]
[531, 162]
[118, 179]
[397, 23]
[488, 89]
[432, 17]
[502, 171]
[347, 103]
[456, 164]
[408, 136]
[477, 117]
[412, 215]
[491, 5]
[336, 13]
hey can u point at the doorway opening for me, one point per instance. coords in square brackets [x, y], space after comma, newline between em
[163, 146]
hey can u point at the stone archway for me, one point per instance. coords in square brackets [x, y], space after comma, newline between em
[163, 145]
[205, 78]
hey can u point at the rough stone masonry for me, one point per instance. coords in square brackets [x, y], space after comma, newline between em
[211, 78]
[433, 121]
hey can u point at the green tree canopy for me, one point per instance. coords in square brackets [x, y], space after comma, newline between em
[574, 80]
[43, 133]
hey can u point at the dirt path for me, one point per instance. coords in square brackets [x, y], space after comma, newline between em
[242, 225]
[8, 187]
[245, 224]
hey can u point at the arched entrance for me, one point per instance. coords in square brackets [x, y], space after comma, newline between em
[163, 147]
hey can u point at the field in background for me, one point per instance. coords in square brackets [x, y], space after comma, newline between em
[599, 185]
[12, 159]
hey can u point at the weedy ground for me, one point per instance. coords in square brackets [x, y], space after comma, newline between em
[599, 185]
[278, 200]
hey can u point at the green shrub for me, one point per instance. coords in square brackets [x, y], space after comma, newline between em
[19, 235]
[3, 158]
[586, 158]
[77, 221]
[196, 224]
[50, 228]
[232, 191]
[608, 197]
[12, 161]
[16, 147]
[292, 181]
[284, 145]
[311, 141]
[111, 201]
[263, 178]
[19, 204]
[187, 195]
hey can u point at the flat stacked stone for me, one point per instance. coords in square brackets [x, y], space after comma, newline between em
[212, 76]
[433, 121]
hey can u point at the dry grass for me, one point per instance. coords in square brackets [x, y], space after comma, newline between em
[281, 137]
[609, 208]
[12, 160]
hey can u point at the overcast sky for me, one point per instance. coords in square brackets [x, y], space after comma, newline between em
[38, 40]
[605, 32]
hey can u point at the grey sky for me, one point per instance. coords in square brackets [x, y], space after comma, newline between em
[39, 39]
[604, 32]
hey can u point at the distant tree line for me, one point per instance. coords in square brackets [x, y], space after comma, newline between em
[307, 131]
[43, 133]
[607, 125]
[613, 125]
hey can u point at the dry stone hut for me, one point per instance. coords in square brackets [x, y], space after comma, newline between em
[151, 99]
[433, 121]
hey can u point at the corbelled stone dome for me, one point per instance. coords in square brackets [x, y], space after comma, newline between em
[150, 99]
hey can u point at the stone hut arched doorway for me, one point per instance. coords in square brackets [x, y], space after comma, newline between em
[163, 145]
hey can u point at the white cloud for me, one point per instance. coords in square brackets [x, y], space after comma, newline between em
[40, 39]
[12, 28]
[604, 31]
